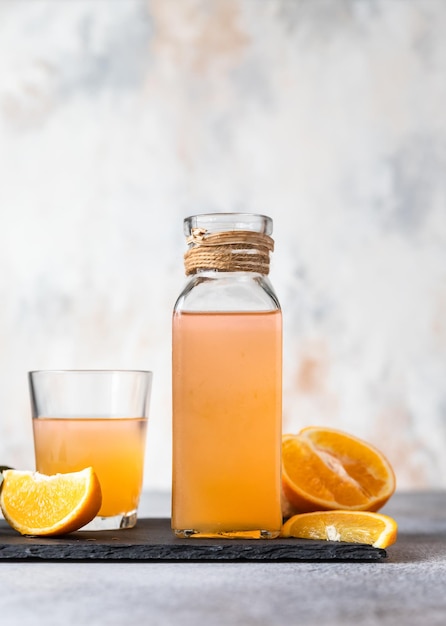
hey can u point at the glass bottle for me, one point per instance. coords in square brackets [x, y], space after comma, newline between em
[227, 382]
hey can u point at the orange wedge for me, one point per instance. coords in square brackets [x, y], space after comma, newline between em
[36, 504]
[327, 469]
[374, 529]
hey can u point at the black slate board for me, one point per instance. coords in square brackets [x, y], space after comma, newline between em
[152, 540]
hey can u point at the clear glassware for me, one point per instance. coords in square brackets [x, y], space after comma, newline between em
[227, 382]
[95, 418]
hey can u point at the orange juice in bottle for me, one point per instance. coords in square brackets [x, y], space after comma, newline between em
[227, 383]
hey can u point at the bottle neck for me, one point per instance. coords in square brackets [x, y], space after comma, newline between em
[228, 251]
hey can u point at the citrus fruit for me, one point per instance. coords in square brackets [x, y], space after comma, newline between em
[37, 504]
[327, 469]
[374, 529]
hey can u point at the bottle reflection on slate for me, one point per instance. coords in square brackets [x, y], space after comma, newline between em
[227, 382]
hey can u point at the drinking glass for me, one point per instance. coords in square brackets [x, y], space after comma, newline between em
[95, 418]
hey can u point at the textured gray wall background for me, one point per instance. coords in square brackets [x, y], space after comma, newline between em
[120, 117]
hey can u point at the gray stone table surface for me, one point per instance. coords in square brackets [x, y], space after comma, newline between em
[408, 588]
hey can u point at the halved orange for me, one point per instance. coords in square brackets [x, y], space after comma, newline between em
[36, 504]
[373, 529]
[327, 469]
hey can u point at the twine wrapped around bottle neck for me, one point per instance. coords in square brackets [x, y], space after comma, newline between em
[228, 251]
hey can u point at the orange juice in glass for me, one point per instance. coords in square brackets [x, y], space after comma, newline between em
[227, 393]
[97, 418]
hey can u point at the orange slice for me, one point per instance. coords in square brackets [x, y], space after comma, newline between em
[374, 529]
[327, 469]
[36, 504]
